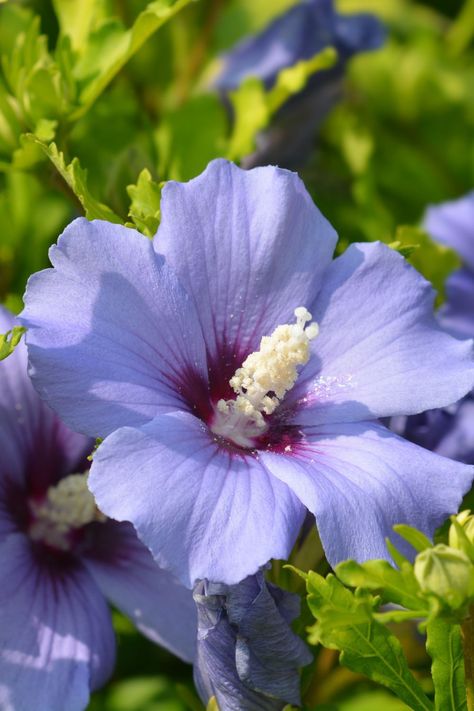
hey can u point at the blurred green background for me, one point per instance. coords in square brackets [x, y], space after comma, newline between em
[120, 88]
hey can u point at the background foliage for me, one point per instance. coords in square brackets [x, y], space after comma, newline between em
[103, 100]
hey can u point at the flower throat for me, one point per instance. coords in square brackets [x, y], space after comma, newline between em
[264, 379]
[65, 509]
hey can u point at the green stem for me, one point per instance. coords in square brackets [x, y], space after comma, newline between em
[467, 632]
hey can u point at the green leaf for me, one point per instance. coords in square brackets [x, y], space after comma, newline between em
[433, 260]
[250, 116]
[111, 46]
[76, 19]
[398, 586]
[10, 340]
[254, 107]
[10, 123]
[34, 78]
[372, 701]
[345, 622]
[404, 249]
[398, 558]
[145, 205]
[76, 178]
[444, 646]
[292, 80]
[417, 539]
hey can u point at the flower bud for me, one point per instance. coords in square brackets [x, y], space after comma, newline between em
[446, 573]
[461, 533]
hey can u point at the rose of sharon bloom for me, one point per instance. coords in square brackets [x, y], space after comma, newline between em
[247, 655]
[226, 415]
[304, 30]
[450, 431]
[60, 559]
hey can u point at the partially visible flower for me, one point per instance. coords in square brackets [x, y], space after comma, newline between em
[60, 559]
[226, 415]
[450, 431]
[452, 224]
[304, 30]
[247, 655]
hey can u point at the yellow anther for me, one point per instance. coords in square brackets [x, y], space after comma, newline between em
[67, 506]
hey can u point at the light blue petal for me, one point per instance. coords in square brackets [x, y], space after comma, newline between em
[361, 479]
[56, 637]
[380, 351]
[457, 313]
[202, 510]
[158, 604]
[452, 224]
[112, 336]
[36, 447]
[249, 247]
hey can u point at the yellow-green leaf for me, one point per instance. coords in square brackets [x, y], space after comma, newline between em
[10, 340]
[76, 178]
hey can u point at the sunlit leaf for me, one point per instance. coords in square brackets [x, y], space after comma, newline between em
[416, 538]
[10, 340]
[254, 107]
[444, 645]
[397, 586]
[111, 46]
[345, 622]
[76, 18]
[76, 178]
[145, 203]
[435, 261]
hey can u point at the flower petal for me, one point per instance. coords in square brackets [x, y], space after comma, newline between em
[249, 246]
[359, 480]
[452, 223]
[215, 672]
[248, 656]
[457, 313]
[32, 439]
[56, 637]
[36, 447]
[268, 653]
[112, 319]
[158, 604]
[448, 431]
[203, 511]
[380, 351]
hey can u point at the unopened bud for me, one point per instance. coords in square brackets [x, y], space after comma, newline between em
[446, 573]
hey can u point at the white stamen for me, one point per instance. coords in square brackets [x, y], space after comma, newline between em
[66, 507]
[264, 379]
